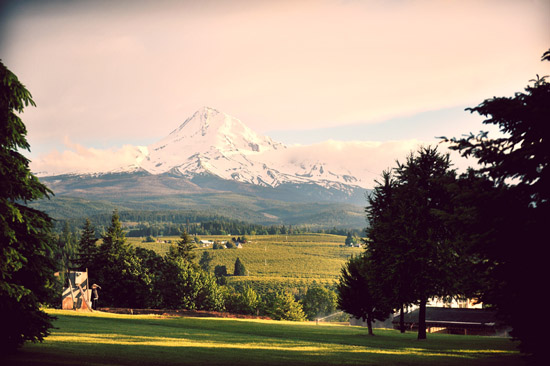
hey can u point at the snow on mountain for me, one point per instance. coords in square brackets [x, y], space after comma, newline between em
[214, 142]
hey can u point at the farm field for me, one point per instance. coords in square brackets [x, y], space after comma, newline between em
[300, 257]
[110, 339]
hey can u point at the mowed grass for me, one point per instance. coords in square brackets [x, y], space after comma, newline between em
[301, 256]
[109, 339]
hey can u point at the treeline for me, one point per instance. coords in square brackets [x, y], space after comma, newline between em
[135, 277]
[173, 223]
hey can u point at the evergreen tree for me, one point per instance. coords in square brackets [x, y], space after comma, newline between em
[411, 253]
[349, 240]
[386, 247]
[183, 248]
[517, 165]
[239, 270]
[355, 292]
[119, 270]
[424, 190]
[87, 247]
[26, 245]
[66, 252]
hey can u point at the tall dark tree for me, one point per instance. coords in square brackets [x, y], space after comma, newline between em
[424, 191]
[239, 269]
[386, 247]
[517, 166]
[183, 248]
[118, 269]
[355, 292]
[66, 252]
[26, 245]
[87, 246]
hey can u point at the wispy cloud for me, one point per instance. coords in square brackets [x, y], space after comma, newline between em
[111, 71]
[79, 159]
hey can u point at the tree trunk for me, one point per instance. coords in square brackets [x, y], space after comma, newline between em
[402, 320]
[422, 320]
[369, 325]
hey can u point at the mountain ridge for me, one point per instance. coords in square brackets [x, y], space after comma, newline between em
[214, 163]
[214, 142]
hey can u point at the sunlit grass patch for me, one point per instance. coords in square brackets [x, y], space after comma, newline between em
[118, 339]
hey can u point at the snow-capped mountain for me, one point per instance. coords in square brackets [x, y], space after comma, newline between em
[214, 163]
[212, 154]
[215, 143]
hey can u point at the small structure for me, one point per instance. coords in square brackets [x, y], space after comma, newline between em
[456, 321]
[377, 324]
[77, 294]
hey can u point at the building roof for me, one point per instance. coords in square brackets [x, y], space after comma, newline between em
[452, 316]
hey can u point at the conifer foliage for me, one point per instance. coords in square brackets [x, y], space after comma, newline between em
[26, 247]
[184, 248]
[239, 269]
[516, 165]
[409, 255]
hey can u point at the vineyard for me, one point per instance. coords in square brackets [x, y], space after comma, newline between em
[292, 259]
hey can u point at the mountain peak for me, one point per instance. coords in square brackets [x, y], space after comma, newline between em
[201, 118]
[216, 144]
[207, 135]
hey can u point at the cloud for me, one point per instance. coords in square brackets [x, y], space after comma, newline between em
[113, 70]
[81, 160]
[365, 160]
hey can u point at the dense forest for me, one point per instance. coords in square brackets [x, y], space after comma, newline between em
[173, 223]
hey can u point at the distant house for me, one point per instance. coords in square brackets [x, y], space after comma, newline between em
[456, 321]
[206, 242]
[238, 245]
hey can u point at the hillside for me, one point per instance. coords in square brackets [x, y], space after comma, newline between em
[78, 198]
[277, 258]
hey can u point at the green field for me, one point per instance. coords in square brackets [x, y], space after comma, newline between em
[109, 339]
[281, 258]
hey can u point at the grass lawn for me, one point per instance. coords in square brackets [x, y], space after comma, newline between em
[109, 339]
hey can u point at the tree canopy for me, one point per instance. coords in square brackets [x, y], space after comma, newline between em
[26, 244]
[514, 171]
[239, 269]
[409, 252]
[184, 248]
[356, 294]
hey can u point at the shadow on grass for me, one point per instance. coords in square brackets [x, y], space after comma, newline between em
[148, 340]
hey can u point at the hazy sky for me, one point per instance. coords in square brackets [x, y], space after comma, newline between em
[110, 73]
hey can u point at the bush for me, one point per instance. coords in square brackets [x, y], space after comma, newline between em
[283, 306]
